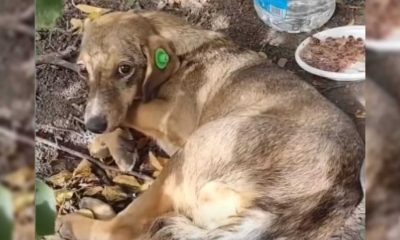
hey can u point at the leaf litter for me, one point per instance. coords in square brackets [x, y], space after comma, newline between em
[72, 189]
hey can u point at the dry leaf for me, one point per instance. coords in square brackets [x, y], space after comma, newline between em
[20, 178]
[83, 170]
[93, 12]
[156, 173]
[90, 9]
[145, 186]
[114, 193]
[155, 162]
[86, 212]
[91, 191]
[22, 200]
[60, 179]
[126, 180]
[76, 26]
[63, 195]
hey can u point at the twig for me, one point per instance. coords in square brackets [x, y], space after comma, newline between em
[57, 58]
[89, 158]
[27, 68]
[73, 3]
[78, 120]
[28, 14]
[59, 62]
[351, 6]
[44, 127]
[15, 135]
[16, 23]
[324, 90]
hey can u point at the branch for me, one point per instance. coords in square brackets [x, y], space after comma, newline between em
[30, 141]
[57, 62]
[28, 14]
[15, 135]
[89, 158]
[57, 58]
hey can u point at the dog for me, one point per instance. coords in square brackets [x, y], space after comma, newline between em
[256, 152]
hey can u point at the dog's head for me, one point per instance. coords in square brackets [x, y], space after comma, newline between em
[122, 58]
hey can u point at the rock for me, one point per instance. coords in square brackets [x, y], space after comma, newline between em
[282, 62]
[100, 209]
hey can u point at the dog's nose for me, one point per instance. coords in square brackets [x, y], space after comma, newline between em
[97, 124]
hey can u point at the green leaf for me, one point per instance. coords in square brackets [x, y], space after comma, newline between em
[45, 203]
[47, 13]
[6, 214]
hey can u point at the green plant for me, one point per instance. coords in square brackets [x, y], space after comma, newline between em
[6, 214]
[45, 204]
[47, 13]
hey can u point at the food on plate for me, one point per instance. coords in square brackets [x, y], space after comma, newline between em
[334, 54]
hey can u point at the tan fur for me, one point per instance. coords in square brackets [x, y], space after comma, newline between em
[113, 144]
[256, 152]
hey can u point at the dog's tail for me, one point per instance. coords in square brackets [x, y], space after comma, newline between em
[354, 227]
[252, 226]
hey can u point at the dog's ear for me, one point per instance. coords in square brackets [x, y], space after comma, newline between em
[162, 62]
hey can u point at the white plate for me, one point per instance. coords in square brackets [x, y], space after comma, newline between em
[389, 44]
[355, 75]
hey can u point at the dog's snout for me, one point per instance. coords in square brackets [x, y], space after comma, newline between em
[97, 124]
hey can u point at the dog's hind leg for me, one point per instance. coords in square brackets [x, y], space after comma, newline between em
[215, 195]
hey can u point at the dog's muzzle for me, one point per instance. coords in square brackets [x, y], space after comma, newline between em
[97, 124]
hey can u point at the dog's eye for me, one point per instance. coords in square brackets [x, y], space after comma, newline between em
[82, 70]
[125, 70]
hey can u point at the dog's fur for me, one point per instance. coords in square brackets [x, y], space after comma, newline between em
[257, 153]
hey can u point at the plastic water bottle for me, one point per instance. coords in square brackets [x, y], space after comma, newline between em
[295, 15]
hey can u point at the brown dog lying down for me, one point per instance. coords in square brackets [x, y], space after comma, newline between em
[256, 152]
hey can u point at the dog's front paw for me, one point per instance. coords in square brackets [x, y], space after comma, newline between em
[73, 227]
[119, 145]
[64, 228]
[125, 153]
[98, 147]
